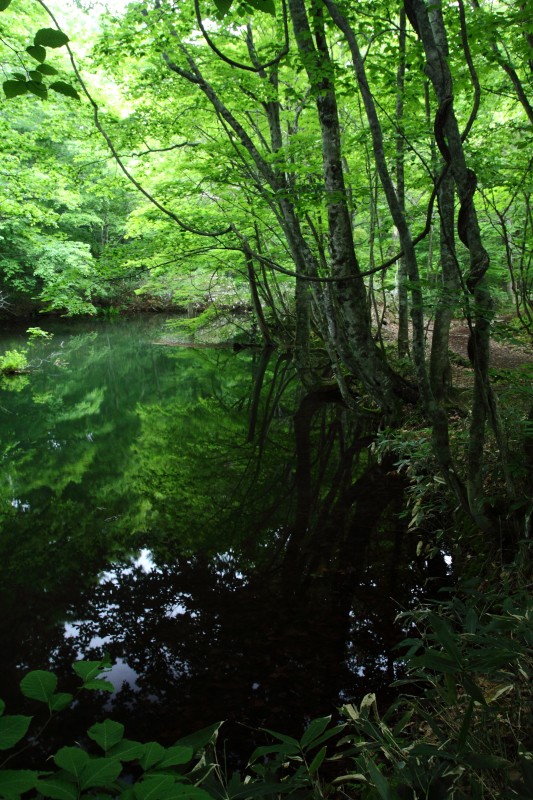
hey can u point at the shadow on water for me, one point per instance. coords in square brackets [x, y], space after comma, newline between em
[229, 540]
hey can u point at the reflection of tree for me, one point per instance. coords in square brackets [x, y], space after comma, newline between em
[271, 632]
[275, 539]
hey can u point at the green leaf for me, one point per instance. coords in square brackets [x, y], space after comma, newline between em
[126, 750]
[39, 685]
[154, 787]
[50, 37]
[100, 772]
[267, 6]
[37, 52]
[380, 782]
[57, 789]
[37, 89]
[485, 761]
[316, 728]
[201, 738]
[71, 759]
[12, 729]
[107, 733]
[153, 752]
[174, 756]
[13, 782]
[36, 76]
[181, 791]
[317, 760]
[223, 6]
[65, 88]
[60, 701]
[86, 670]
[4, 4]
[46, 69]
[99, 684]
[282, 737]
[14, 88]
[445, 636]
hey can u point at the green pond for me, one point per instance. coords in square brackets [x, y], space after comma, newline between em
[227, 539]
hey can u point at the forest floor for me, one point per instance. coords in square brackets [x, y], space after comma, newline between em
[504, 355]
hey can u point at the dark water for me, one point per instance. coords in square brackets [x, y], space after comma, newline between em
[225, 538]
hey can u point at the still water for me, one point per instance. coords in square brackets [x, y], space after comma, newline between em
[226, 539]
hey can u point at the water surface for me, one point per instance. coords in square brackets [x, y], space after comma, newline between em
[224, 537]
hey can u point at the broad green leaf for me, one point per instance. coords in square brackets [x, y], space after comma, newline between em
[153, 752]
[12, 729]
[316, 728]
[223, 6]
[317, 760]
[282, 737]
[37, 52]
[60, 701]
[99, 684]
[4, 4]
[14, 88]
[36, 76]
[154, 787]
[107, 733]
[39, 685]
[174, 756]
[46, 69]
[100, 772]
[64, 88]
[267, 6]
[71, 759]
[50, 37]
[37, 89]
[13, 782]
[20, 76]
[380, 782]
[87, 670]
[181, 791]
[200, 738]
[126, 750]
[57, 789]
